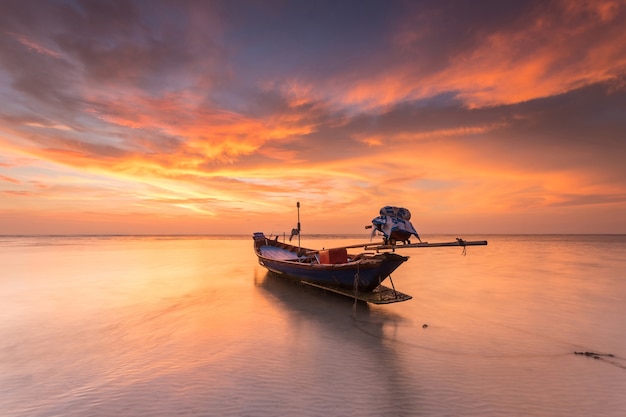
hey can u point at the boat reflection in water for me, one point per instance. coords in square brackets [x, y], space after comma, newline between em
[345, 340]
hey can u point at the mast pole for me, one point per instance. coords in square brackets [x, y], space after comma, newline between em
[298, 205]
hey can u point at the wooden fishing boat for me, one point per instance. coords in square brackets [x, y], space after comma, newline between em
[356, 275]
[331, 268]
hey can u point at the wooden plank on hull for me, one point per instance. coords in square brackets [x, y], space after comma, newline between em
[381, 295]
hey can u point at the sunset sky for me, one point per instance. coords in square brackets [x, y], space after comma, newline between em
[176, 117]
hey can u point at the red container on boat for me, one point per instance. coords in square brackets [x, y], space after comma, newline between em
[334, 256]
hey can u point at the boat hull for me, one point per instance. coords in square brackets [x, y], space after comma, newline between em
[365, 273]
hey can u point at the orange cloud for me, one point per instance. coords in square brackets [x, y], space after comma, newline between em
[9, 179]
[538, 56]
[205, 134]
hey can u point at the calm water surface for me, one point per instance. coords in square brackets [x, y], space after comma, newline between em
[146, 326]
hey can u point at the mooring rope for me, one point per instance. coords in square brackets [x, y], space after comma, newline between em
[462, 243]
[356, 287]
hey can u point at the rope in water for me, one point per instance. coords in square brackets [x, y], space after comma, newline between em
[356, 288]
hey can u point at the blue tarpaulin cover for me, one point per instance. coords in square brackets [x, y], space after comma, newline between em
[394, 219]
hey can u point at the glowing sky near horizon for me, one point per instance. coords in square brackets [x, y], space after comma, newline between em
[216, 117]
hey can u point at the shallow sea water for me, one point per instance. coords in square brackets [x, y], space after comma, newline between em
[193, 326]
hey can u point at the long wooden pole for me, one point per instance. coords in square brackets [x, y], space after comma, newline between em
[458, 242]
[378, 246]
